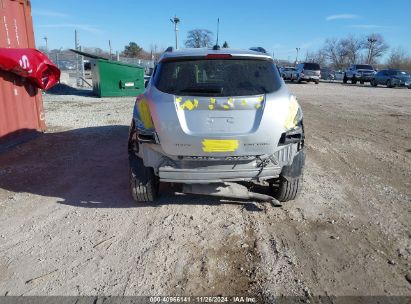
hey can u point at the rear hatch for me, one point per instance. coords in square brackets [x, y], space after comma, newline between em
[213, 105]
[312, 69]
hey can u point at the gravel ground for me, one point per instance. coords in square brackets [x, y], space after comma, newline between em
[69, 227]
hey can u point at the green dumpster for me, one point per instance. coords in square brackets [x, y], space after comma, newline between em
[112, 78]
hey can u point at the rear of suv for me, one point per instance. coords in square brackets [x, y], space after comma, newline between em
[307, 71]
[211, 116]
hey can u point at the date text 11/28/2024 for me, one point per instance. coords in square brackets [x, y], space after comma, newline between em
[218, 299]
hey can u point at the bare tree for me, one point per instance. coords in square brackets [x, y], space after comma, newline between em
[375, 46]
[340, 53]
[198, 38]
[353, 47]
[317, 57]
[96, 51]
[155, 52]
[399, 59]
[336, 52]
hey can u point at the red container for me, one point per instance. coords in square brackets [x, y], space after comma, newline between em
[21, 105]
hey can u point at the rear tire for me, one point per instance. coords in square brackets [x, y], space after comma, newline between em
[317, 82]
[353, 80]
[290, 181]
[361, 81]
[144, 184]
[389, 85]
[288, 189]
[345, 79]
[373, 83]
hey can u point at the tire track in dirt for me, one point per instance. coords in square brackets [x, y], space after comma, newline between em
[224, 264]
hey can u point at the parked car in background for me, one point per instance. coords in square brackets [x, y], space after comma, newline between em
[392, 78]
[338, 75]
[287, 72]
[307, 71]
[327, 74]
[359, 72]
[66, 65]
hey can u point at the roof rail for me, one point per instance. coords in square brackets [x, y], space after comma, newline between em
[169, 49]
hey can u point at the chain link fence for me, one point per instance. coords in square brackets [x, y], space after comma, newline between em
[77, 69]
[68, 60]
[147, 64]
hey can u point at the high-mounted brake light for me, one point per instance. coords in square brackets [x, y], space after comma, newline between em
[218, 56]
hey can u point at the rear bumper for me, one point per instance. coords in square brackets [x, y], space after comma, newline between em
[311, 77]
[365, 78]
[402, 83]
[216, 169]
[193, 176]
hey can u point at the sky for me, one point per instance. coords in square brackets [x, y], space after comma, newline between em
[278, 26]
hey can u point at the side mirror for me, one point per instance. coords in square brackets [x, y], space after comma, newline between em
[145, 83]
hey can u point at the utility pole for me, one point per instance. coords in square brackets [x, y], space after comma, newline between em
[57, 57]
[296, 57]
[46, 39]
[175, 21]
[79, 61]
[371, 41]
[76, 47]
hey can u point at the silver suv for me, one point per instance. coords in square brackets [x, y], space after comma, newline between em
[307, 71]
[216, 116]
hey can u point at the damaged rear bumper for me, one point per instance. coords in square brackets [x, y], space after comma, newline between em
[193, 176]
[214, 169]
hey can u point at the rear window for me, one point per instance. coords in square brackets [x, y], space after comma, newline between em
[312, 66]
[217, 77]
[364, 67]
[401, 73]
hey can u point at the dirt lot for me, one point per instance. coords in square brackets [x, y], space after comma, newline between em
[69, 227]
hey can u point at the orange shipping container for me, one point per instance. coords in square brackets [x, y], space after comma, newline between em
[21, 105]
